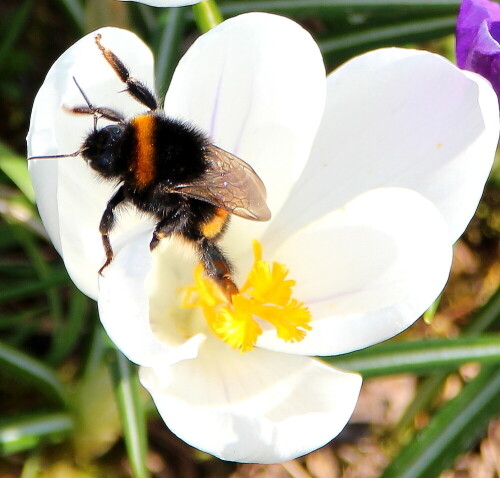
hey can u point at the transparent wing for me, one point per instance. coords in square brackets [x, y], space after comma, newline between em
[231, 184]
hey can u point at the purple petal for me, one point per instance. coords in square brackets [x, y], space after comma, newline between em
[478, 35]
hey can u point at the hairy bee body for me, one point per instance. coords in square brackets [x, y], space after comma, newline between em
[170, 170]
[151, 155]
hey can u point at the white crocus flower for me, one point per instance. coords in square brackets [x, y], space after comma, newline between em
[165, 3]
[371, 177]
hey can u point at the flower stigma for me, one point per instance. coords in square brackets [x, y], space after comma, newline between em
[266, 295]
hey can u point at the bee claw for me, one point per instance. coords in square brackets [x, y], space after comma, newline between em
[106, 264]
[228, 288]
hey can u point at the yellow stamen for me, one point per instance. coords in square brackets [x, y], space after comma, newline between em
[268, 285]
[266, 295]
[235, 324]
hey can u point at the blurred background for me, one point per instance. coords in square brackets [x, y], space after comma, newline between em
[431, 396]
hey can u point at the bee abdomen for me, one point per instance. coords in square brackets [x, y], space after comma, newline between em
[212, 228]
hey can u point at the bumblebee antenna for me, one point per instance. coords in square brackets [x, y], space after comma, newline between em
[55, 156]
[85, 97]
[89, 104]
[81, 150]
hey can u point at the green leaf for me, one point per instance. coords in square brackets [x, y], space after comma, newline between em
[97, 417]
[99, 14]
[393, 34]
[33, 372]
[42, 268]
[66, 336]
[485, 317]
[99, 343]
[76, 13]
[431, 311]
[133, 418]
[32, 466]
[168, 50]
[206, 15]
[58, 277]
[26, 432]
[14, 29]
[341, 6]
[454, 429]
[21, 334]
[15, 168]
[8, 241]
[426, 392]
[18, 319]
[144, 18]
[420, 357]
[483, 320]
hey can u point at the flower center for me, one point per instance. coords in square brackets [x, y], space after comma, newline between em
[266, 296]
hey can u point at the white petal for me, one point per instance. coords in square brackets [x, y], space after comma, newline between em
[399, 118]
[256, 84]
[366, 271]
[70, 198]
[259, 406]
[165, 3]
[138, 324]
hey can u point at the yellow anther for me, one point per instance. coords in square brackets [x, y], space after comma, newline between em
[267, 295]
[268, 285]
[235, 324]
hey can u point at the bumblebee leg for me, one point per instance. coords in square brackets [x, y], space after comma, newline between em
[97, 112]
[136, 89]
[163, 229]
[217, 267]
[107, 223]
[169, 224]
[106, 113]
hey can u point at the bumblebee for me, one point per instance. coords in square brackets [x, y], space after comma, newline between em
[171, 171]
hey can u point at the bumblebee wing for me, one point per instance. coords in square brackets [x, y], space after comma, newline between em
[231, 184]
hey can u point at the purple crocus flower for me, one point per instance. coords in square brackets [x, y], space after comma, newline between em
[478, 36]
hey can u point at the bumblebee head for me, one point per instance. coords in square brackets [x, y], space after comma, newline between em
[102, 149]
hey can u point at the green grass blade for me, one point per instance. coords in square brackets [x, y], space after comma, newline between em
[168, 51]
[15, 168]
[19, 291]
[428, 388]
[95, 407]
[485, 317]
[26, 432]
[431, 311]
[42, 269]
[76, 13]
[144, 18]
[18, 319]
[206, 15]
[15, 268]
[99, 345]
[8, 241]
[147, 15]
[420, 357]
[133, 418]
[454, 429]
[426, 392]
[394, 34]
[32, 466]
[15, 28]
[33, 372]
[99, 14]
[68, 333]
[321, 6]
[17, 209]
[19, 335]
